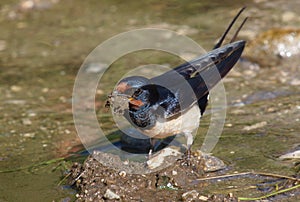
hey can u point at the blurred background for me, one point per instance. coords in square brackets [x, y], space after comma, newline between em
[44, 42]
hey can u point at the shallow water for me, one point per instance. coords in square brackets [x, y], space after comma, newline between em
[42, 49]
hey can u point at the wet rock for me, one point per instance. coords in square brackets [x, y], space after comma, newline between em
[159, 159]
[212, 163]
[291, 155]
[190, 196]
[270, 47]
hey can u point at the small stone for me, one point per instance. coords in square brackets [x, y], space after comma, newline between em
[45, 90]
[30, 135]
[229, 124]
[174, 172]
[27, 5]
[111, 195]
[63, 99]
[158, 159]
[190, 195]
[100, 92]
[203, 198]
[212, 163]
[122, 173]
[271, 109]
[255, 126]
[295, 82]
[31, 114]
[26, 122]
[288, 16]
[15, 88]
[95, 67]
[2, 45]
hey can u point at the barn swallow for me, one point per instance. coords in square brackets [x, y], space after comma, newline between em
[173, 102]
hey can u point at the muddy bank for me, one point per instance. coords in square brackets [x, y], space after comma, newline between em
[177, 182]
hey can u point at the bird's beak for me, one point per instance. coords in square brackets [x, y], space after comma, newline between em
[135, 103]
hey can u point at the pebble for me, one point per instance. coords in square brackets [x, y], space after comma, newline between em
[45, 90]
[26, 122]
[122, 173]
[229, 125]
[255, 126]
[295, 82]
[15, 88]
[16, 102]
[190, 196]
[288, 16]
[111, 195]
[2, 45]
[203, 198]
[95, 67]
[158, 160]
[174, 172]
[31, 135]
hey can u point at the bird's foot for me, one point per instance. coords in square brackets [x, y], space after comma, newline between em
[187, 158]
[150, 155]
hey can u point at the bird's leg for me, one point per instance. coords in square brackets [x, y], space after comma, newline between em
[152, 142]
[189, 142]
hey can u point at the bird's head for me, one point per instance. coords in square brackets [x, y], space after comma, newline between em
[125, 94]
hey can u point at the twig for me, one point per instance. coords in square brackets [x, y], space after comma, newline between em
[269, 195]
[248, 173]
[261, 174]
[276, 176]
[60, 182]
[224, 176]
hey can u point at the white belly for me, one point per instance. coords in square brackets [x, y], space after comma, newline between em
[186, 123]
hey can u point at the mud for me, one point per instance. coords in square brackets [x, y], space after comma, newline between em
[177, 182]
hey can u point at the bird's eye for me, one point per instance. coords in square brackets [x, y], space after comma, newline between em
[138, 92]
